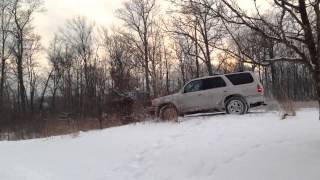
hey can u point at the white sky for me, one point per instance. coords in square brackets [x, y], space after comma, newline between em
[58, 11]
[100, 11]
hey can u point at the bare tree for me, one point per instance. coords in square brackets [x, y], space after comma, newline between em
[78, 39]
[195, 21]
[121, 61]
[5, 25]
[33, 48]
[78, 33]
[295, 25]
[157, 56]
[138, 16]
[22, 12]
[44, 90]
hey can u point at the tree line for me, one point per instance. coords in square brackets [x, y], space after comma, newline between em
[89, 69]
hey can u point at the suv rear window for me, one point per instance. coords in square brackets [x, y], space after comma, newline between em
[242, 78]
[212, 83]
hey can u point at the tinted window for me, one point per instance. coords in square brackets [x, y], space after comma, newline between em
[212, 83]
[193, 86]
[242, 78]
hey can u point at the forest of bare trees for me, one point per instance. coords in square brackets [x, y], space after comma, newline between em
[96, 76]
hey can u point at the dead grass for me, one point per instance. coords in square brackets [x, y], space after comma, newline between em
[289, 108]
[56, 126]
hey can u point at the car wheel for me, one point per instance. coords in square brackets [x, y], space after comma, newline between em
[236, 105]
[169, 113]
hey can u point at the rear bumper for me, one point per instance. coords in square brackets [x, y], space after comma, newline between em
[255, 101]
[258, 104]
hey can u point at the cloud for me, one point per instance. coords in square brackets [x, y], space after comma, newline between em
[58, 11]
[100, 11]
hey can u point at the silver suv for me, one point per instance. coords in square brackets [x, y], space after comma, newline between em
[234, 93]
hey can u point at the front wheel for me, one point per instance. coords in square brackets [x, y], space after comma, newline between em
[236, 105]
[169, 112]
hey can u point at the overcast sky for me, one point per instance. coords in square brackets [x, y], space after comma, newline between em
[100, 11]
[58, 11]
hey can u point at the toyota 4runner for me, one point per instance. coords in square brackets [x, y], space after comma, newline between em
[233, 93]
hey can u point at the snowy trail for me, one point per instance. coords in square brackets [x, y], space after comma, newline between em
[222, 147]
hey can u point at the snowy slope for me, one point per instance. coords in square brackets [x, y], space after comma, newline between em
[257, 146]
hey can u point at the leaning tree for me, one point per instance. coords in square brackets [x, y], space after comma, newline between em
[294, 24]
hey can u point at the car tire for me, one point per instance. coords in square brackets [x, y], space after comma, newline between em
[236, 105]
[169, 113]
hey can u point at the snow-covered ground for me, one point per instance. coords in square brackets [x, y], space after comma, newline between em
[257, 146]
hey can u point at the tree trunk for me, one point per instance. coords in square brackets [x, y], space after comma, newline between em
[154, 77]
[182, 69]
[3, 66]
[197, 51]
[208, 58]
[207, 48]
[316, 75]
[53, 100]
[3, 59]
[32, 100]
[22, 92]
[167, 75]
[44, 90]
[146, 61]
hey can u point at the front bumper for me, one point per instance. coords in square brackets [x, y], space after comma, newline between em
[152, 110]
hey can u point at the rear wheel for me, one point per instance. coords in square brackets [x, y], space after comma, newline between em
[236, 105]
[169, 113]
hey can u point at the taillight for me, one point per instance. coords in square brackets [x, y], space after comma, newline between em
[259, 89]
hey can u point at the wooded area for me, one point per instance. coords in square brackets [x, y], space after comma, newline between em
[100, 76]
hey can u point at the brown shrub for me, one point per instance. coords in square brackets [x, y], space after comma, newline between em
[287, 105]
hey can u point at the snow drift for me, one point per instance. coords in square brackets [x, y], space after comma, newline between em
[222, 147]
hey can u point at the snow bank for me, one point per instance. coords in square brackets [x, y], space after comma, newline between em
[223, 147]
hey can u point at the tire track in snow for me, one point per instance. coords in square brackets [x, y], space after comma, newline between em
[242, 154]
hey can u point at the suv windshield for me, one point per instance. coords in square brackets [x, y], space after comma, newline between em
[193, 86]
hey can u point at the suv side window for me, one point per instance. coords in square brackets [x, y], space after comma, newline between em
[193, 86]
[212, 83]
[239, 79]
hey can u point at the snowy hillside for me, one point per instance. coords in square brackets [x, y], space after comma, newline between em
[257, 146]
